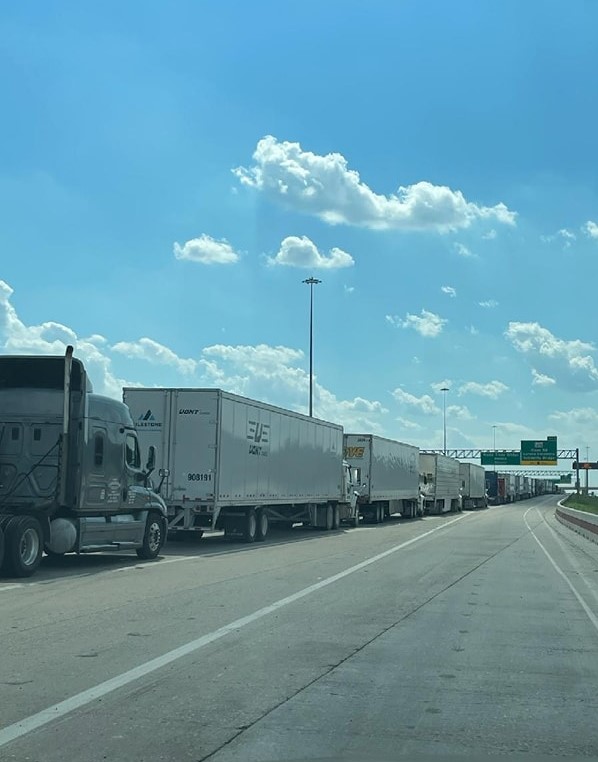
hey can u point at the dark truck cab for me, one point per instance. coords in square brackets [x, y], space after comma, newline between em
[71, 478]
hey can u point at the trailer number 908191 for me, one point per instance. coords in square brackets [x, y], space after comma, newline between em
[199, 477]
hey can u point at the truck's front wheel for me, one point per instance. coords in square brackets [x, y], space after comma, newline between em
[1, 547]
[23, 546]
[153, 538]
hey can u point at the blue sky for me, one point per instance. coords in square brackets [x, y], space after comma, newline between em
[169, 173]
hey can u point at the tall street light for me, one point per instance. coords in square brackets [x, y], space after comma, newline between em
[311, 282]
[494, 444]
[444, 390]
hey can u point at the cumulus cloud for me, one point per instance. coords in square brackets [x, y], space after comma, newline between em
[407, 424]
[348, 289]
[425, 403]
[489, 304]
[579, 416]
[51, 338]
[207, 250]
[438, 386]
[492, 389]
[590, 229]
[490, 235]
[540, 379]
[459, 411]
[275, 374]
[564, 235]
[324, 186]
[302, 252]
[568, 361]
[157, 354]
[462, 250]
[427, 324]
[449, 290]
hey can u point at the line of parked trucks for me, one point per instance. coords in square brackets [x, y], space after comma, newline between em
[72, 477]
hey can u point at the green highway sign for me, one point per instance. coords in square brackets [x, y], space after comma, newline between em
[504, 458]
[539, 452]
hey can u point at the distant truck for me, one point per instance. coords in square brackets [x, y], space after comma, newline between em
[473, 486]
[238, 465]
[439, 482]
[386, 475]
[71, 478]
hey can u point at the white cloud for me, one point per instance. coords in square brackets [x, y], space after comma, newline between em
[51, 338]
[490, 235]
[580, 416]
[459, 411]
[407, 424]
[274, 374]
[438, 386]
[590, 229]
[473, 330]
[570, 362]
[157, 354]
[429, 324]
[302, 252]
[415, 360]
[462, 250]
[489, 304]
[207, 250]
[565, 235]
[492, 389]
[452, 292]
[540, 379]
[349, 289]
[323, 185]
[425, 403]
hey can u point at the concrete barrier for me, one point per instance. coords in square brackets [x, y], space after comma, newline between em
[581, 522]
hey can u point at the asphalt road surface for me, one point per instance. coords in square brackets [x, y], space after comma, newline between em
[469, 634]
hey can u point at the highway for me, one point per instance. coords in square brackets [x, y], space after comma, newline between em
[467, 634]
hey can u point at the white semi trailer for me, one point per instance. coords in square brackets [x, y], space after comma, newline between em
[386, 474]
[473, 486]
[238, 465]
[439, 482]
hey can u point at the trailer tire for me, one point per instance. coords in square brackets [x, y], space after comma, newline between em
[263, 524]
[250, 526]
[355, 519]
[329, 517]
[23, 546]
[1, 547]
[336, 522]
[153, 537]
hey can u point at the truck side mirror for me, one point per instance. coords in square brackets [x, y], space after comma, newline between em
[151, 459]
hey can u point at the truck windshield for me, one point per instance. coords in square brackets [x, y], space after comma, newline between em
[37, 373]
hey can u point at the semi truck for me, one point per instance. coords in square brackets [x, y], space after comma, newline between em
[386, 475]
[473, 486]
[238, 465]
[439, 482]
[71, 478]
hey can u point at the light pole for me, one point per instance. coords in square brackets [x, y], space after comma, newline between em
[444, 390]
[311, 282]
[494, 445]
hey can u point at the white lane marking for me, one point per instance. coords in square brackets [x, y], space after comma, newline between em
[39, 719]
[591, 616]
[155, 564]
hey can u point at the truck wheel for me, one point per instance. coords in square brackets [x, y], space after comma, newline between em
[263, 524]
[336, 524]
[1, 547]
[381, 514]
[329, 517]
[153, 537]
[355, 520]
[23, 544]
[250, 526]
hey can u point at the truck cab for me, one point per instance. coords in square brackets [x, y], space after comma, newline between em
[71, 475]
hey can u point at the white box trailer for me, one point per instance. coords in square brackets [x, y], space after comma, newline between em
[386, 475]
[473, 486]
[237, 465]
[439, 482]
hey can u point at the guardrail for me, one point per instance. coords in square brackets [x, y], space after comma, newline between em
[581, 522]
